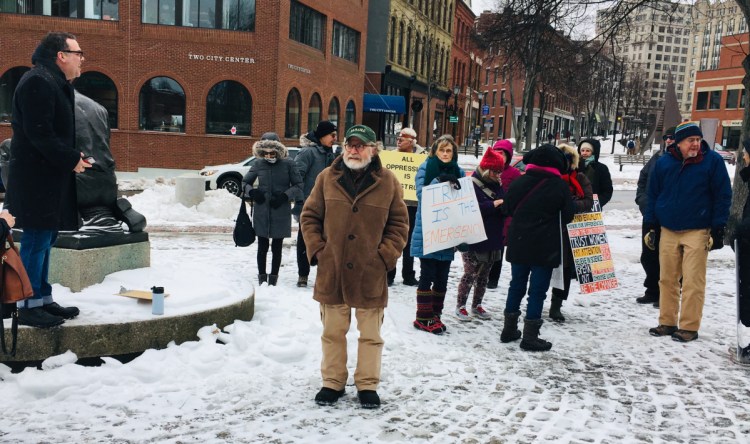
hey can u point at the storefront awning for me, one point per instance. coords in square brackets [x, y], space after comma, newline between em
[377, 103]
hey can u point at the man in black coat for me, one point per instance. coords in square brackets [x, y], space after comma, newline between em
[41, 189]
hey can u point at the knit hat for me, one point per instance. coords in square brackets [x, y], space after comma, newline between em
[270, 136]
[546, 155]
[687, 129]
[669, 132]
[492, 161]
[362, 132]
[324, 128]
[505, 145]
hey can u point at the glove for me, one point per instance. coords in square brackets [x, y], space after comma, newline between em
[462, 247]
[650, 238]
[717, 239]
[450, 178]
[258, 196]
[247, 191]
[278, 199]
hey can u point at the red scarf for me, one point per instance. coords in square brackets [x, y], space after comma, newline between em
[575, 187]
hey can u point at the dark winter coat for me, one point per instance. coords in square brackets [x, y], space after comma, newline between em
[534, 234]
[597, 173]
[641, 193]
[492, 216]
[742, 231]
[41, 190]
[684, 195]
[355, 237]
[273, 178]
[311, 161]
[582, 205]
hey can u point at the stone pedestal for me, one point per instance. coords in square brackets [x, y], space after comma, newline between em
[190, 189]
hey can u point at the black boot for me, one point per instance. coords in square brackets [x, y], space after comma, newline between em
[411, 280]
[272, 279]
[38, 317]
[262, 277]
[531, 340]
[56, 309]
[510, 328]
[554, 310]
[648, 298]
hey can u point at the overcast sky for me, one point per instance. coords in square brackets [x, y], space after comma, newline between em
[480, 5]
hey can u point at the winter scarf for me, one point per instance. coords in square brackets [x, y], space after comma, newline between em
[575, 187]
[674, 150]
[551, 170]
[436, 167]
[588, 161]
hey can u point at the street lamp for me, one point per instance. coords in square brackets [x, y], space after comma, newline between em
[477, 130]
[456, 90]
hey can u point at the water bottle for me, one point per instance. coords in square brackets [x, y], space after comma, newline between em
[157, 300]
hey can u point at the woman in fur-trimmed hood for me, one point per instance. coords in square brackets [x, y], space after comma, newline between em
[272, 183]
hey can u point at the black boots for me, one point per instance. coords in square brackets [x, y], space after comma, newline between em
[328, 396]
[272, 279]
[554, 309]
[38, 317]
[302, 281]
[262, 277]
[510, 328]
[531, 340]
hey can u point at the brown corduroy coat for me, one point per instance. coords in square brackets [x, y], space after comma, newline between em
[355, 237]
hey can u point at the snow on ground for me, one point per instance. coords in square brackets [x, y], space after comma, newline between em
[606, 380]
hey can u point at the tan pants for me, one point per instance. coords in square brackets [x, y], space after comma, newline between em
[683, 254]
[336, 320]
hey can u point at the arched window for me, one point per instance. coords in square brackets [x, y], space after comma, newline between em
[408, 48]
[400, 58]
[333, 111]
[293, 107]
[229, 105]
[351, 115]
[162, 106]
[102, 90]
[8, 84]
[392, 47]
[313, 111]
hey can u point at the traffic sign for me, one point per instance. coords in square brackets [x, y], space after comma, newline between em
[485, 110]
[453, 119]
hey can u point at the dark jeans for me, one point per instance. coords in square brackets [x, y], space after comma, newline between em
[538, 283]
[276, 245]
[36, 246]
[303, 266]
[407, 262]
[650, 263]
[433, 275]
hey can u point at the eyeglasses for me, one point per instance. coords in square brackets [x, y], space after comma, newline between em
[267, 153]
[79, 52]
[668, 137]
[357, 147]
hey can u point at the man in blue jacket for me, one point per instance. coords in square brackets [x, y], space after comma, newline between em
[689, 196]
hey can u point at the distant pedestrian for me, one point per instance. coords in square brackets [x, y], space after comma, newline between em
[316, 155]
[480, 257]
[689, 195]
[355, 226]
[279, 183]
[650, 253]
[539, 203]
[597, 172]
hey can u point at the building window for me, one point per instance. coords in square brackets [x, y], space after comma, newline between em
[701, 100]
[162, 106]
[8, 84]
[733, 96]
[89, 9]
[102, 90]
[306, 25]
[351, 114]
[235, 15]
[229, 106]
[293, 109]
[333, 111]
[313, 111]
[714, 100]
[346, 43]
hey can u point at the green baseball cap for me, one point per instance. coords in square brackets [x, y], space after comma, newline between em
[362, 132]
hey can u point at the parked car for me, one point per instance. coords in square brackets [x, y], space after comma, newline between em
[229, 176]
[517, 163]
[728, 156]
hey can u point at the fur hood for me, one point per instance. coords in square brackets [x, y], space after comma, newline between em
[571, 153]
[280, 149]
[308, 139]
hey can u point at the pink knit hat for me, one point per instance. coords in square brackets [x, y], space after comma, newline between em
[505, 145]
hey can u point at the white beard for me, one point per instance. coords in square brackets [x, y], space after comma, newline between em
[357, 164]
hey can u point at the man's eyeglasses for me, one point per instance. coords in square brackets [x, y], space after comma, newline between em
[267, 153]
[353, 147]
[79, 52]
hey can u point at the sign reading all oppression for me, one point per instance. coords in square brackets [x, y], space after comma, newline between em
[404, 166]
[450, 217]
[591, 254]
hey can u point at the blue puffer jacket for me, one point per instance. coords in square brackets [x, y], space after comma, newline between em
[416, 237]
[688, 196]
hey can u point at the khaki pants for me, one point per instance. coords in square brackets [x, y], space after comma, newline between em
[683, 254]
[336, 320]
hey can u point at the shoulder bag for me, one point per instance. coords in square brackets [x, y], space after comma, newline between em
[14, 287]
[244, 233]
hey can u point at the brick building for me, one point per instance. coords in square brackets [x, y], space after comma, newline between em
[195, 82]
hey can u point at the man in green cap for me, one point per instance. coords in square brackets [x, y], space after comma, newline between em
[355, 225]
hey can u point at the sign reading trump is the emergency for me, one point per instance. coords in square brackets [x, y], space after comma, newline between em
[450, 217]
[404, 166]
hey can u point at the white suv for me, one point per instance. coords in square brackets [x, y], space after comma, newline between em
[229, 176]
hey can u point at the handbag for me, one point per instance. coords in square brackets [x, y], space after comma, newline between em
[14, 287]
[244, 233]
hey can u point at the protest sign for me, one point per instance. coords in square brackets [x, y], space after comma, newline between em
[450, 217]
[404, 166]
[592, 257]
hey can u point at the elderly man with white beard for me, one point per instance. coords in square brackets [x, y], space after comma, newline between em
[355, 225]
